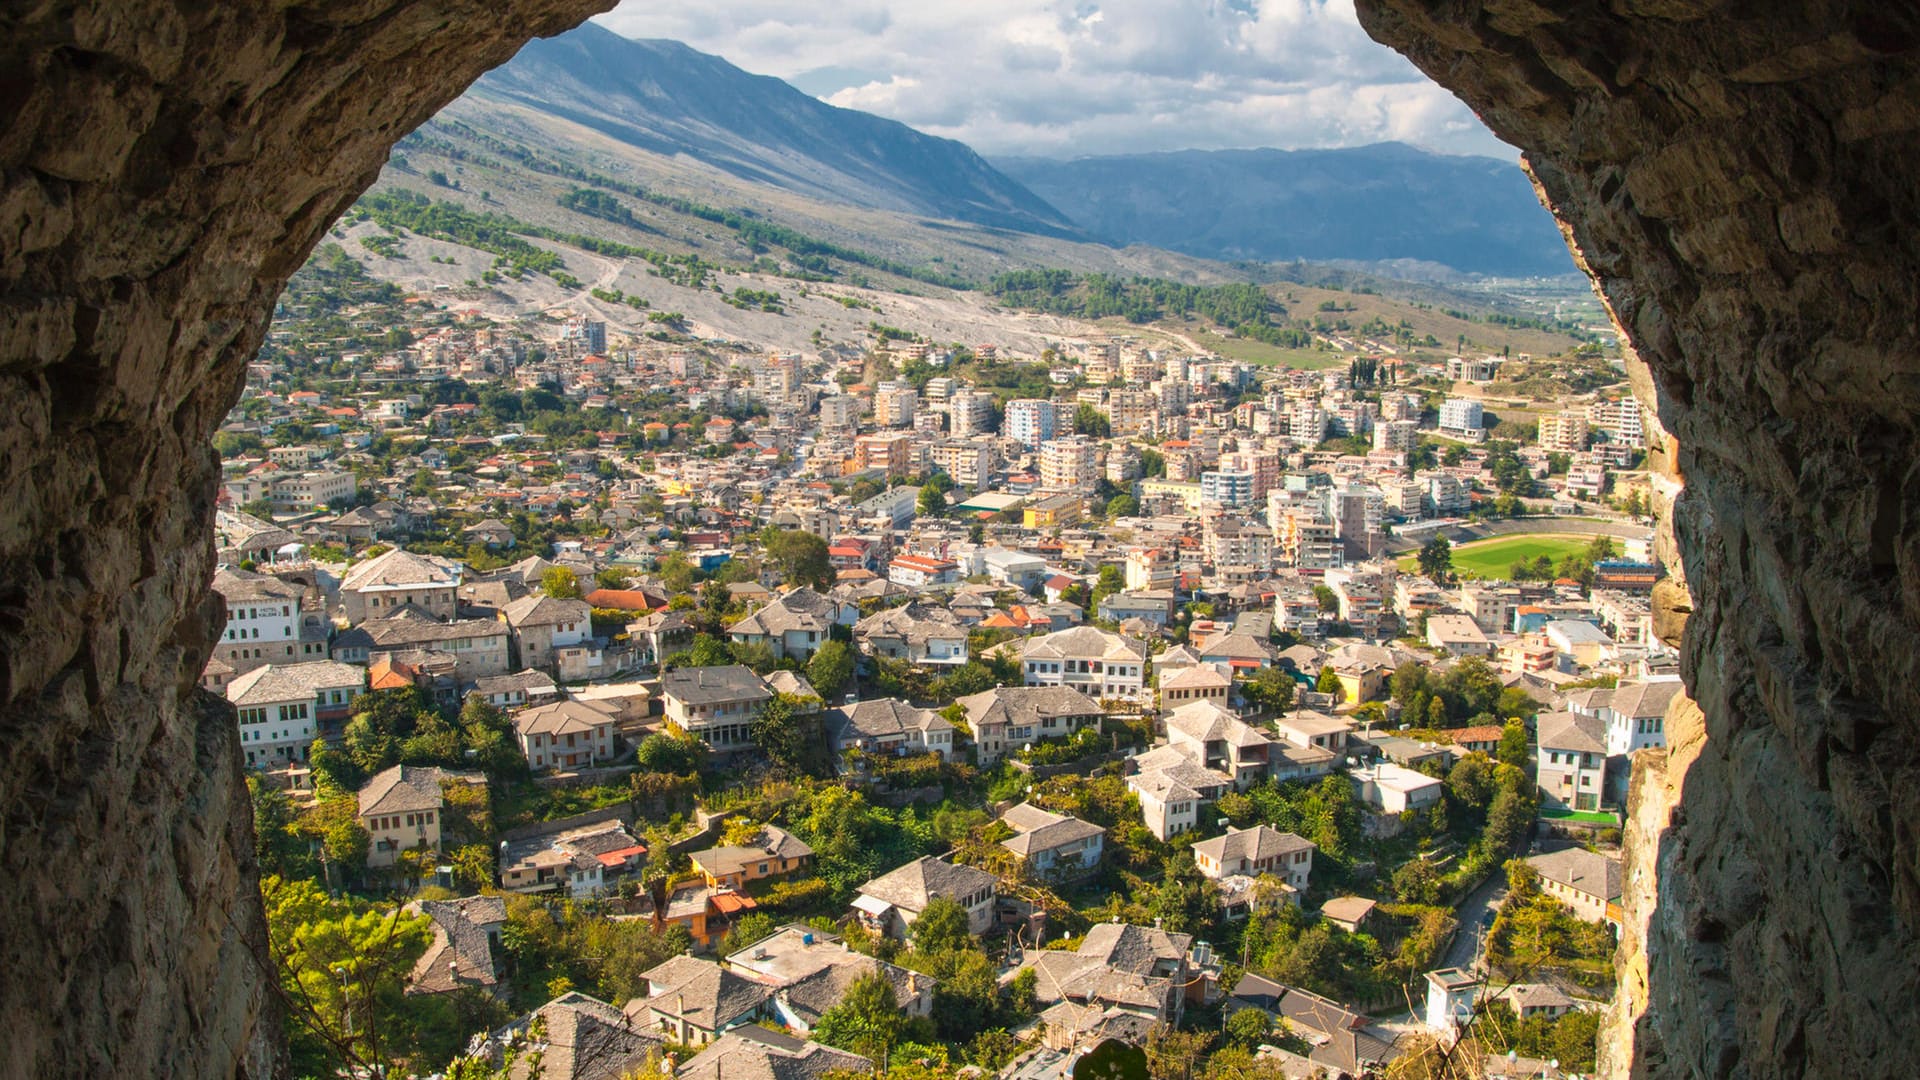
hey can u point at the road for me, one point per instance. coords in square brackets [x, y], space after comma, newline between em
[1465, 950]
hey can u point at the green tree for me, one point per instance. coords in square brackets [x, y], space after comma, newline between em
[676, 572]
[1328, 600]
[942, 928]
[799, 557]
[1513, 745]
[867, 1021]
[1436, 712]
[1470, 781]
[1271, 688]
[1248, 1028]
[932, 502]
[1436, 559]
[668, 752]
[781, 729]
[1329, 683]
[613, 577]
[560, 583]
[1416, 882]
[830, 668]
[1122, 505]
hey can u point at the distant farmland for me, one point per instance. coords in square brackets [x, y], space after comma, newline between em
[1493, 558]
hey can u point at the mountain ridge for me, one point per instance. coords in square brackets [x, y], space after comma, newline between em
[1379, 203]
[667, 98]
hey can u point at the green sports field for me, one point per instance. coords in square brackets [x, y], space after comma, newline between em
[1492, 558]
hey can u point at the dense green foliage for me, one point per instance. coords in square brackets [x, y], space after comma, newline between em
[1245, 309]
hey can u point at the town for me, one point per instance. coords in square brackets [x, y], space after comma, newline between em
[632, 703]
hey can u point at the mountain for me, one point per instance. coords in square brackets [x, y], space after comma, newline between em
[1375, 204]
[668, 99]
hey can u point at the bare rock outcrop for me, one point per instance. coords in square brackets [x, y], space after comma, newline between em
[163, 168]
[1738, 180]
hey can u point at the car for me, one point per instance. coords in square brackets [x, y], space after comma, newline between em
[1487, 917]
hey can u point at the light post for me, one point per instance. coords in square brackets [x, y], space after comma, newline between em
[346, 999]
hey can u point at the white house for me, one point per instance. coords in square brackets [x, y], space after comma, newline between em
[1571, 764]
[566, 734]
[1171, 789]
[1053, 845]
[279, 706]
[920, 571]
[1633, 712]
[1395, 789]
[1256, 851]
[891, 902]
[1088, 659]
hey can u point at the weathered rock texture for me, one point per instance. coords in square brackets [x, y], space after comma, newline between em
[1739, 179]
[163, 168]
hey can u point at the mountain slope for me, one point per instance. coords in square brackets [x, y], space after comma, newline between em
[668, 99]
[1371, 203]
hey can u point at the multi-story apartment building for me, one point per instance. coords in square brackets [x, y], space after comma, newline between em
[1619, 418]
[1306, 539]
[1033, 421]
[968, 462]
[893, 405]
[839, 413]
[888, 453]
[307, 490]
[1096, 662]
[1133, 412]
[1228, 488]
[1563, 432]
[1399, 436]
[968, 413]
[1462, 417]
[1069, 464]
[1307, 424]
[1446, 495]
[1236, 542]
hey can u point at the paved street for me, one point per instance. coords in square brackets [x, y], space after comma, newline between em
[1466, 948]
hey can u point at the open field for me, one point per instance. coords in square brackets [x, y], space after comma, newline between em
[1259, 352]
[1492, 558]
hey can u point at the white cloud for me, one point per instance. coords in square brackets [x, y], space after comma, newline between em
[1068, 77]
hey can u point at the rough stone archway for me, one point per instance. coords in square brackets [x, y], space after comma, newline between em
[1736, 176]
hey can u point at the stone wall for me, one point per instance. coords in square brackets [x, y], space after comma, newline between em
[1738, 178]
[163, 168]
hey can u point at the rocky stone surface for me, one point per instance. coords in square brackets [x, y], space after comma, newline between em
[1738, 179]
[163, 168]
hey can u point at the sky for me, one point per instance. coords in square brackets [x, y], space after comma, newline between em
[1080, 77]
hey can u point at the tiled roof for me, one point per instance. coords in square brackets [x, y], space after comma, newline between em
[911, 886]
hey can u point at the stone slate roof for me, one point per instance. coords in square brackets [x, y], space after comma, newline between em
[245, 586]
[294, 682]
[773, 842]
[1571, 731]
[459, 938]
[399, 569]
[801, 609]
[587, 1039]
[709, 685]
[536, 609]
[1039, 830]
[911, 886]
[530, 681]
[1347, 1042]
[1021, 705]
[879, 718]
[1582, 870]
[409, 626]
[699, 992]
[756, 1053]
[405, 788]
[564, 717]
[913, 622]
[1206, 721]
[1083, 643]
[1254, 844]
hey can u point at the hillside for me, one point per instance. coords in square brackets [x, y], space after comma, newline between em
[667, 99]
[1371, 204]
